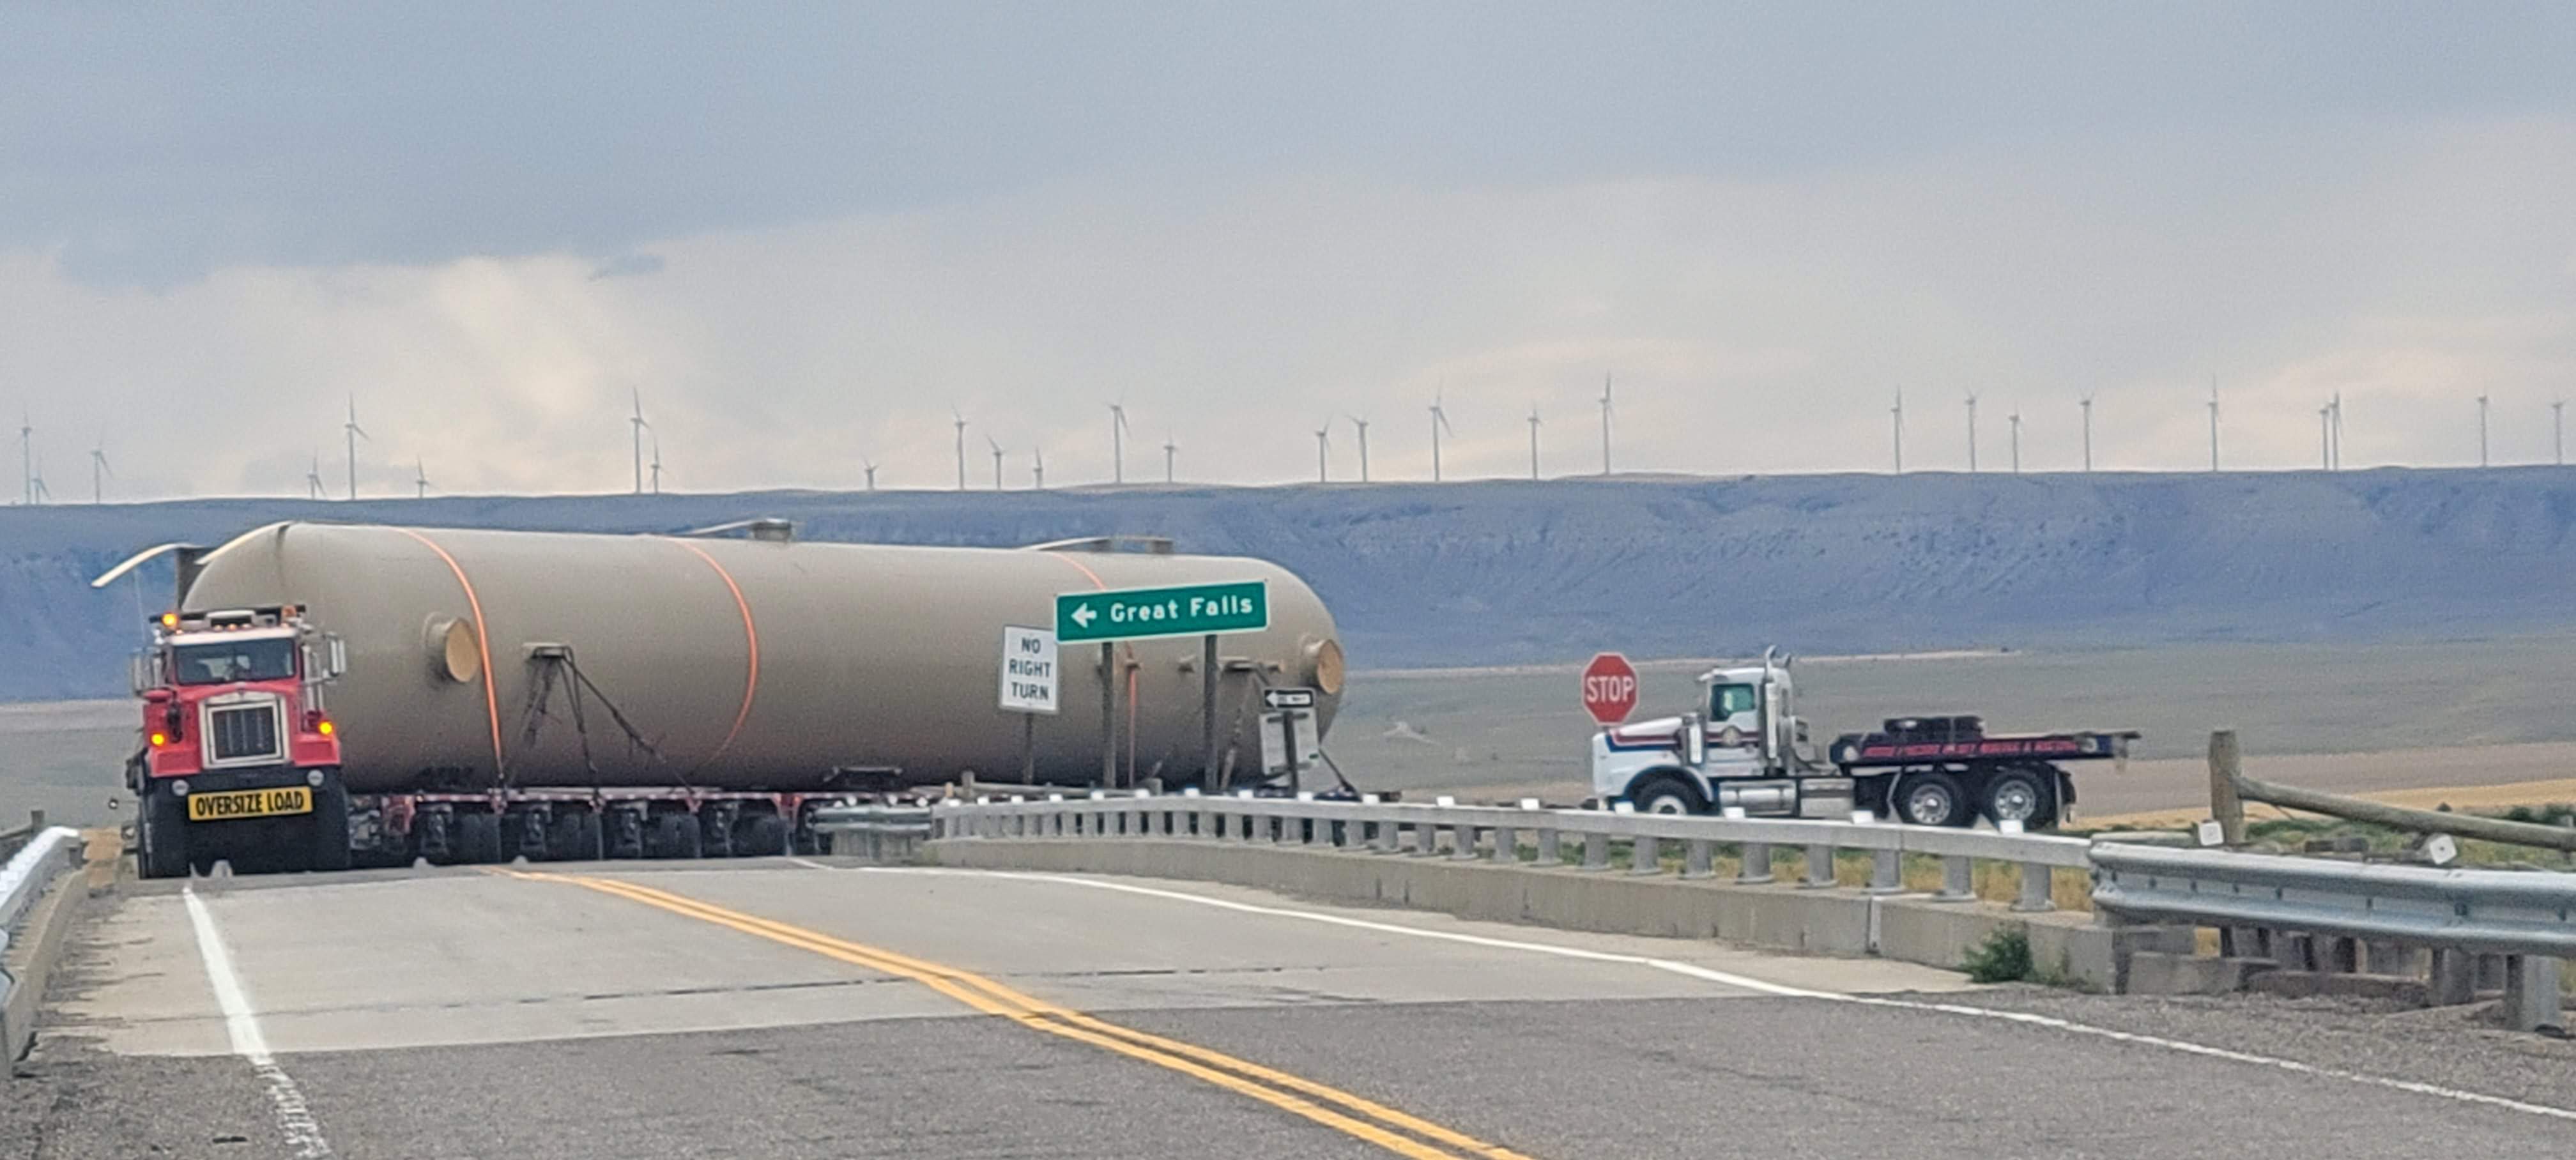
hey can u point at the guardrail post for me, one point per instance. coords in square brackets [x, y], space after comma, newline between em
[1887, 872]
[2454, 977]
[1757, 862]
[1550, 854]
[1383, 838]
[1698, 858]
[2036, 890]
[1958, 880]
[1320, 831]
[1462, 843]
[1645, 855]
[1820, 867]
[1507, 844]
[2531, 993]
[1596, 851]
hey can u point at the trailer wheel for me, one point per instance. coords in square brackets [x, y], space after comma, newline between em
[2021, 795]
[676, 836]
[1930, 798]
[162, 836]
[573, 837]
[760, 835]
[331, 826]
[478, 838]
[1663, 793]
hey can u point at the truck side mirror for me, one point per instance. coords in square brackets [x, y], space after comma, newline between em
[338, 651]
[1694, 740]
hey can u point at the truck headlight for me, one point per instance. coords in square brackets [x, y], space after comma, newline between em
[179, 788]
[313, 777]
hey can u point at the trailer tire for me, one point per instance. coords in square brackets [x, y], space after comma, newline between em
[676, 836]
[1664, 793]
[478, 839]
[573, 837]
[331, 825]
[1929, 797]
[2028, 796]
[760, 835]
[162, 837]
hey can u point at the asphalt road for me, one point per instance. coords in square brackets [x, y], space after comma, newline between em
[773, 1008]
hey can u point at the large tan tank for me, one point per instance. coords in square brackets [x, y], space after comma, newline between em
[746, 663]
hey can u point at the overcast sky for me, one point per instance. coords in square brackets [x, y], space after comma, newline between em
[805, 234]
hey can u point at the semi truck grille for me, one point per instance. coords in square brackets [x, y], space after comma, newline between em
[244, 734]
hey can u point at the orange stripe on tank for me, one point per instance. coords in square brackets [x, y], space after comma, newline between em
[482, 645]
[751, 640]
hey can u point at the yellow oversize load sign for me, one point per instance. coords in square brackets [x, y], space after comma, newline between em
[249, 803]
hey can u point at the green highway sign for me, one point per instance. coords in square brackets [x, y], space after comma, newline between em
[1138, 613]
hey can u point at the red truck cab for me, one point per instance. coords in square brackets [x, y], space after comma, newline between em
[240, 756]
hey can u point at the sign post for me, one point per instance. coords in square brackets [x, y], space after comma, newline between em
[1609, 688]
[1201, 610]
[1288, 743]
[1028, 687]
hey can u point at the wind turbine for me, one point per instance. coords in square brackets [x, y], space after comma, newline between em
[2558, 431]
[1605, 423]
[961, 448]
[1972, 432]
[2325, 437]
[355, 433]
[2015, 419]
[871, 469]
[42, 494]
[2087, 403]
[1117, 442]
[2482, 429]
[1439, 423]
[1037, 469]
[98, 467]
[313, 488]
[657, 463]
[997, 461]
[1362, 424]
[420, 478]
[2213, 422]
[1323, 445]
[1170, 451]
[639, 425]
[27, 455]
[1533, 422]
[2334, 459]
[1896, 418]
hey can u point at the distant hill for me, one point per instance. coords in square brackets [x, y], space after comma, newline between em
[1504, 571]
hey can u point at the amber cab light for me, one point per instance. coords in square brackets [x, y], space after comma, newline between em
[160, 739]
[325, 727]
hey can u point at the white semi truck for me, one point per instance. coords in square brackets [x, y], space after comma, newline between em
[1744, 746]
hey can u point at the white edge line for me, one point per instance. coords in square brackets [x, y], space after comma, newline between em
[1725, 978]
[294, 1117]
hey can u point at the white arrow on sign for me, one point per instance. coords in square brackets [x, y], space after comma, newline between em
[1083, 615]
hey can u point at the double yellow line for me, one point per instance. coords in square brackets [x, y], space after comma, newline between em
[1342, 1111]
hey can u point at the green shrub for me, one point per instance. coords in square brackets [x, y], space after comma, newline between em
[2003, 958]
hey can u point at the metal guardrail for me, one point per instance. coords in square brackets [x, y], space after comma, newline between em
[2492, 911]
[2530, 917]
[1493, 833]
[876, 833]
[26, 875]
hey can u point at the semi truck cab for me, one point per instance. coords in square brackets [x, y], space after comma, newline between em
[236, 741]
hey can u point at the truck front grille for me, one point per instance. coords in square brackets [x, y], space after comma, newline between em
[244, 734]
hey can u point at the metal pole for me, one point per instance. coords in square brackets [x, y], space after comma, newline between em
[1207, 708]
[1028, 749]
[1288, 728]
[1108, 715]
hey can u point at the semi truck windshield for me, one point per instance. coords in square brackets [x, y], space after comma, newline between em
[234, 660]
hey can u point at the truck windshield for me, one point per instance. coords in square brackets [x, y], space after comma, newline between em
[1728, 700]
[233, 660]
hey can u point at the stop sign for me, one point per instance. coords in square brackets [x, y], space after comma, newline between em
[1609, 688]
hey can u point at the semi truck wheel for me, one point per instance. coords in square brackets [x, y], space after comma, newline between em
[478, 838]
[331, 826]
[1665, 794]
[1930, 798]
[2023, 796]
[760, 835]
[676, 836]
[163, 836]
